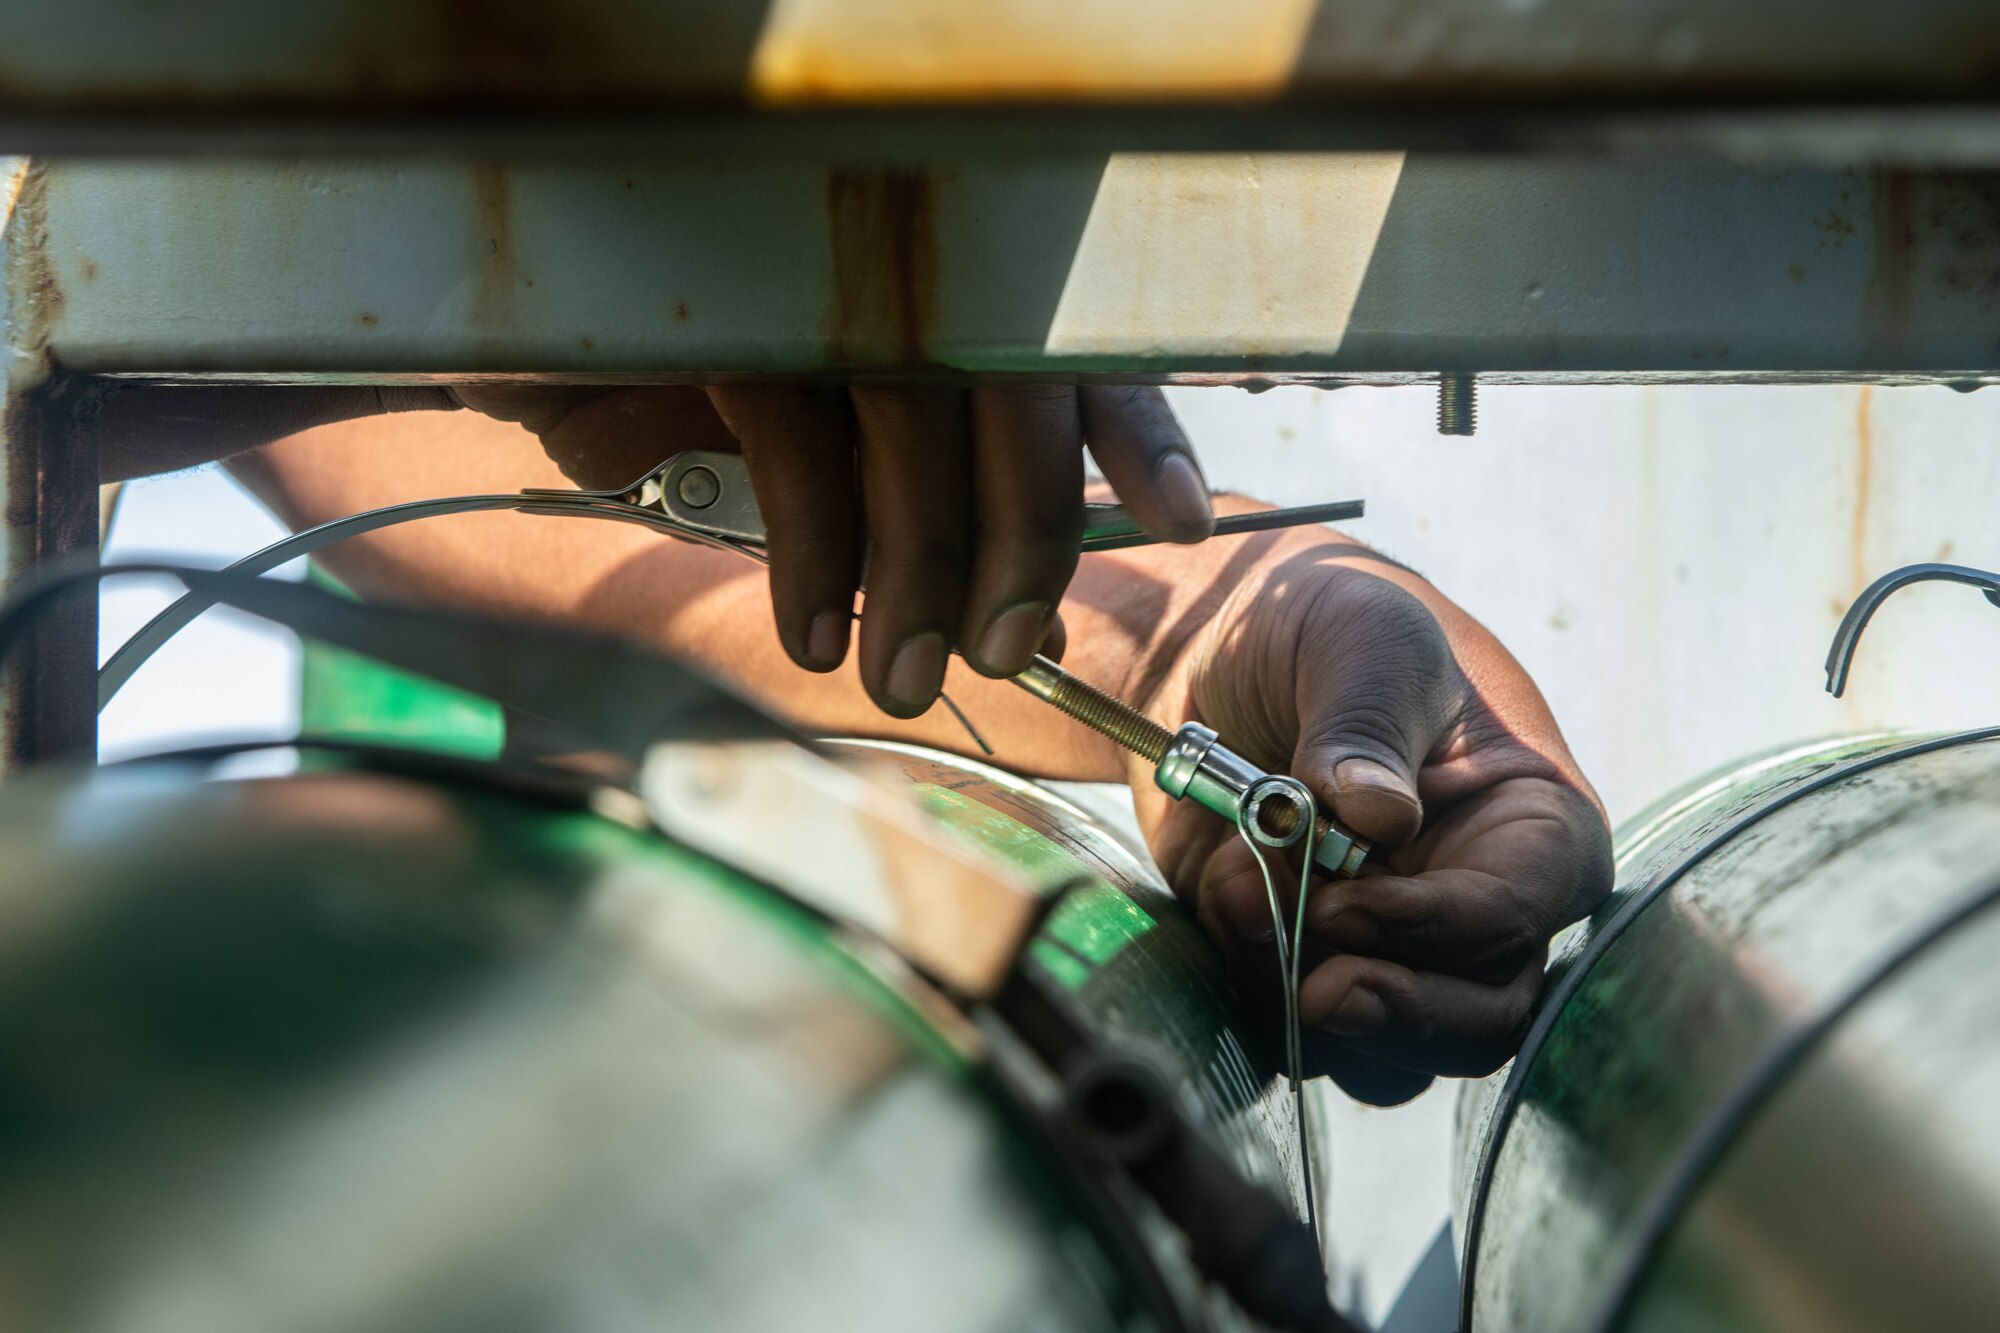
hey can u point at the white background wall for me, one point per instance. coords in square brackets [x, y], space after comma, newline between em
[1669, 563]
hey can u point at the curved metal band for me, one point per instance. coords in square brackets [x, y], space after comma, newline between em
[135, 651]
[1719, 1130]
[1572, 980]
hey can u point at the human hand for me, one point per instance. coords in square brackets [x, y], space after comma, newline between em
[1418, 731]
[967, 505]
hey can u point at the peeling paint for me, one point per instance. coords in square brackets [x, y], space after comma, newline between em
[34, 295]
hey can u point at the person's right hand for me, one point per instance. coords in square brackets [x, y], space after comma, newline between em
[1415, 728]
[966, 505]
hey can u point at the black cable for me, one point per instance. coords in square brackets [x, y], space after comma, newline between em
[1848, 637]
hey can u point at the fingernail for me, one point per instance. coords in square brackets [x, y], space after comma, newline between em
[1361, 1014]
[1368, 773]
[1184, 498]
[1013, 637]
[826, 642]
[917, 671]
[1376, 800]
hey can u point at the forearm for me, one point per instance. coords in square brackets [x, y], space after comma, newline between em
[707, 607]
[146, 429]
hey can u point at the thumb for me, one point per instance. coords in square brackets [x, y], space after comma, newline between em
[1376, 799]
[1371, 706]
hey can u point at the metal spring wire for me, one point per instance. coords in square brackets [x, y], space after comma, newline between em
[1288, 975]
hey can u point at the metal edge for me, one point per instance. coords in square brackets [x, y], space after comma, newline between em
[1571, 981]
[1719, 1131]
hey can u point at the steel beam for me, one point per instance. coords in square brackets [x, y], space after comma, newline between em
[654, 74]
[1336, 268]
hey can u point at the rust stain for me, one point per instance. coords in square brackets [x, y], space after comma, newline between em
[1886, 307]
[588, 345]
[681, 310]
[492, 305]
[1961, 217]
[1864, 478]
[368, 319]
[882, 230]
[1937, 244]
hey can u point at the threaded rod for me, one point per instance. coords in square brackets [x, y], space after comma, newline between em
[1458, 403]
[1096, 709]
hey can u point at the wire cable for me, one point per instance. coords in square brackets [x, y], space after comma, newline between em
[1289, 951]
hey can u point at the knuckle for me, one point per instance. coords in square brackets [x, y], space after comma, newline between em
[937, 559]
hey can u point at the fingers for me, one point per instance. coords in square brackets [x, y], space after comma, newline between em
[1474, 924]
[1424, 1021]
[1231, 895]
[1028, 493]
[916, 483]
[1372, 703]
[799, 445]
[968, 507]
[1511, 867]
[1143, 453]
[603, 438]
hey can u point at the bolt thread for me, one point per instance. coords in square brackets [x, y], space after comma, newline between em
[1096, 709]
[1458, 403]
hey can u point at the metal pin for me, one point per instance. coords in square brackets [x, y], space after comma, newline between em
[1190, 763]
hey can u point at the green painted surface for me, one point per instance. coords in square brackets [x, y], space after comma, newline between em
[1095, 920]
[346, 695]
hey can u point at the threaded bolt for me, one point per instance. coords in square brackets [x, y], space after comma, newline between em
[1458, 403]
[1096, 709]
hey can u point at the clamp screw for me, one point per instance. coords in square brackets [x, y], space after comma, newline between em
[1458, 403]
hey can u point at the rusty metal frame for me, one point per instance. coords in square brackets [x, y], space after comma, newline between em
[1335, 269]
[49, 490]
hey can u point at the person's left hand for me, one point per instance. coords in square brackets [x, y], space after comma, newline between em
[1418, 731]
[966, 505]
